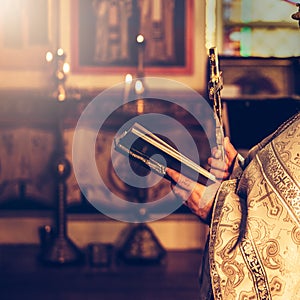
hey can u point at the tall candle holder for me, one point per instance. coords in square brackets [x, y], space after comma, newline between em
[141, 43]
[127, 87]
[139, 87]
[136, 86]
[60, 250]
[138, 244]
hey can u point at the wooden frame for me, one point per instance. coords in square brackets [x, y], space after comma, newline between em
[84, 42]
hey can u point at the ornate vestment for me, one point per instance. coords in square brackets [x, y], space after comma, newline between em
[266, 263]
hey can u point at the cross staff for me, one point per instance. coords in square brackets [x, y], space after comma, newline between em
[215, 86]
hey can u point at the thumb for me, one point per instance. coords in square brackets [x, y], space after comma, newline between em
[229, 149]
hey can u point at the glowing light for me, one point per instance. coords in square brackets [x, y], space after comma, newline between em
[49, 56]
[139, 87]
[61, 97]
[61, 94]
[60, 52]
[140, 106]
[128, 78]
[61, 168]
[66, 68]
[140, 39]
[60, 75]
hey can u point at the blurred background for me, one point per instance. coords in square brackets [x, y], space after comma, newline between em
[56, 56]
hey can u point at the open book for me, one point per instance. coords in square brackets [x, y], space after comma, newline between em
[156, 154]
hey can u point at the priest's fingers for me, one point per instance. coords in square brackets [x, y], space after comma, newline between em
[199, 205]
[230, 151]
[220, 174]
[180, 193]
[181, 180]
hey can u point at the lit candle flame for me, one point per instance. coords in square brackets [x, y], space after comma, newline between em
[128, 82]
[49, 56]
[140, 39]
[61, 96]
[128, 78]
[139, 87]
[66, 68]
[60, 52]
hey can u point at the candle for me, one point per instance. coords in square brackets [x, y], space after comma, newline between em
[128, 81]
[140, 41]
[139, 87]
[49, 56]
[139, 90]
[60, 52]
[66, 68]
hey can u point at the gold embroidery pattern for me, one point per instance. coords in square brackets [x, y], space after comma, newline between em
[277, 286]
[271, 254]
[296, 235]
[227, 186]
[275, 209]
[266, 263]
[255, 267]
[280, 180]
[232, 269]
[215, 279]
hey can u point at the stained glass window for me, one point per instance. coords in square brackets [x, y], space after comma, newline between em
[259, 28]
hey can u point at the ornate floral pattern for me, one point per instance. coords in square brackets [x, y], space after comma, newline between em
[266, 264]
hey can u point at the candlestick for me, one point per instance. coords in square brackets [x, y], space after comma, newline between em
[141, 47]
[61, 70]
[139, 90]
[127, 87]
[139, 87]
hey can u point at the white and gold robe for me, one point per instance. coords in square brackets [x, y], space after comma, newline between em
[266, 263]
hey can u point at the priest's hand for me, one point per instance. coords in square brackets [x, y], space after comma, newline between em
[223, 169]
[199, 198]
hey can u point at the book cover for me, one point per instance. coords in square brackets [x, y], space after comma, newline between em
[154, 153]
